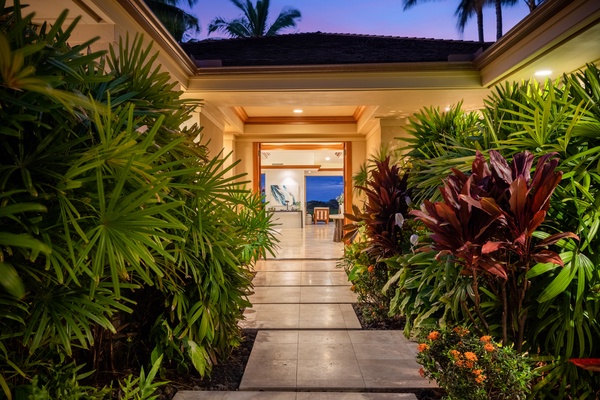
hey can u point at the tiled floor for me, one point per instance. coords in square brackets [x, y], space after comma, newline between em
[310, 344]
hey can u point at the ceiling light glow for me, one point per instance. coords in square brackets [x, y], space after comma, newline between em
[327, 158]
[544, 72]
[298, 111]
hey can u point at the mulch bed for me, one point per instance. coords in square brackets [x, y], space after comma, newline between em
[228, 375]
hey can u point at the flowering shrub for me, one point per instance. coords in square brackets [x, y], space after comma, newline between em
[473, 368]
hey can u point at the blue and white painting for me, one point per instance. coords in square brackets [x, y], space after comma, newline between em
[284, 193]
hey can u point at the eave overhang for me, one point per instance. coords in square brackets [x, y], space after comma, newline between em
[559, 34]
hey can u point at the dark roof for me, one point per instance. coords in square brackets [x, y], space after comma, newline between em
[328, 48]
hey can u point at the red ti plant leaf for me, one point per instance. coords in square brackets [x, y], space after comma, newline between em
[548, 256]
[545, 181]
[490, 247]
[488, 217]
[518, 200]
[387, 193]
[501, 170]
[590, 364]
[552, 239]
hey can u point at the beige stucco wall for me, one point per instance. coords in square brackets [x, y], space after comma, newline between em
[392, 129]
[359, 157]
[243, 152]
[373, 141]
[212, 135]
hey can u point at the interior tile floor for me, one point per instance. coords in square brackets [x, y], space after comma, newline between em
[310, 344]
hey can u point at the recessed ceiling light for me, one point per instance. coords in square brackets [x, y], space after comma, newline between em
[544, 72]
[298, 111]
[327, 158]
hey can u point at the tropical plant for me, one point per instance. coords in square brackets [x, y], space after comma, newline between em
[439, 141]
[559, 117]
[465, 11]
[487, 221]
[117, 229]
[361, 178]
[388, 199]
[467, 8]
[470, 367]
[423, 289]
[382, 233]
[176, 20]
[254, 20]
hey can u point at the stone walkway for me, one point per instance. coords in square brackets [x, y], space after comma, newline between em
[310, 344]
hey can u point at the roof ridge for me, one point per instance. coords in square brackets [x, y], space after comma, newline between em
[347, 35]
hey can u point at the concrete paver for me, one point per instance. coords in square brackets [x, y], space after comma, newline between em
[257, 395]
[310, 345]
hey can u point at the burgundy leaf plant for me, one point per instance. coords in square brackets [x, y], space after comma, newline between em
[486, 222]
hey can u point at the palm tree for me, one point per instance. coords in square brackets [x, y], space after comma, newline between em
[465, 11]
[253, 22]
[498, 5]
[176, 20]
[467, 8]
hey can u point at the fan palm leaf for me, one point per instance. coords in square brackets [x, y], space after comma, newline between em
[254, 20]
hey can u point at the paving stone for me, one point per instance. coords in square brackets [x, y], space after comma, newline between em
[252, 395]
[310, 337]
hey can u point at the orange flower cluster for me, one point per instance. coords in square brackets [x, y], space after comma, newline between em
[489, 347]
[422, 347]
[371, 269]
[466, 360]
[433, 335]
[485, 339]
[422, 373]
[461, 331]
[455, 354]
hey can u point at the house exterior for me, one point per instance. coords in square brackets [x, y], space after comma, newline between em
[357, 91]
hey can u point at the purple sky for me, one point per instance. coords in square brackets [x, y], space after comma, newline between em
[432, 19]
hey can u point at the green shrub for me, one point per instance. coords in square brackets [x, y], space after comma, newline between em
[379, 231]
[563, 302]
[120, 234]
[470, 367]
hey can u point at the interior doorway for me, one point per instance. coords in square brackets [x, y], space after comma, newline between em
[280, 171]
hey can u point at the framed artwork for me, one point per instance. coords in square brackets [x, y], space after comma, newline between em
[285, 195]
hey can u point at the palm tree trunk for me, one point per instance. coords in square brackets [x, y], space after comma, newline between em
[480, 22]
[498, 4]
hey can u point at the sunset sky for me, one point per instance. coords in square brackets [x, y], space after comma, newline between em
[431, 19]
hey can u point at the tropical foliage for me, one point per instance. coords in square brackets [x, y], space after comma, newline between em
[176, 20]
[486, 223]
[121, 239]
[254, 20]
[467, 8]
[509, 246]
[381, 232]
[473, 367]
